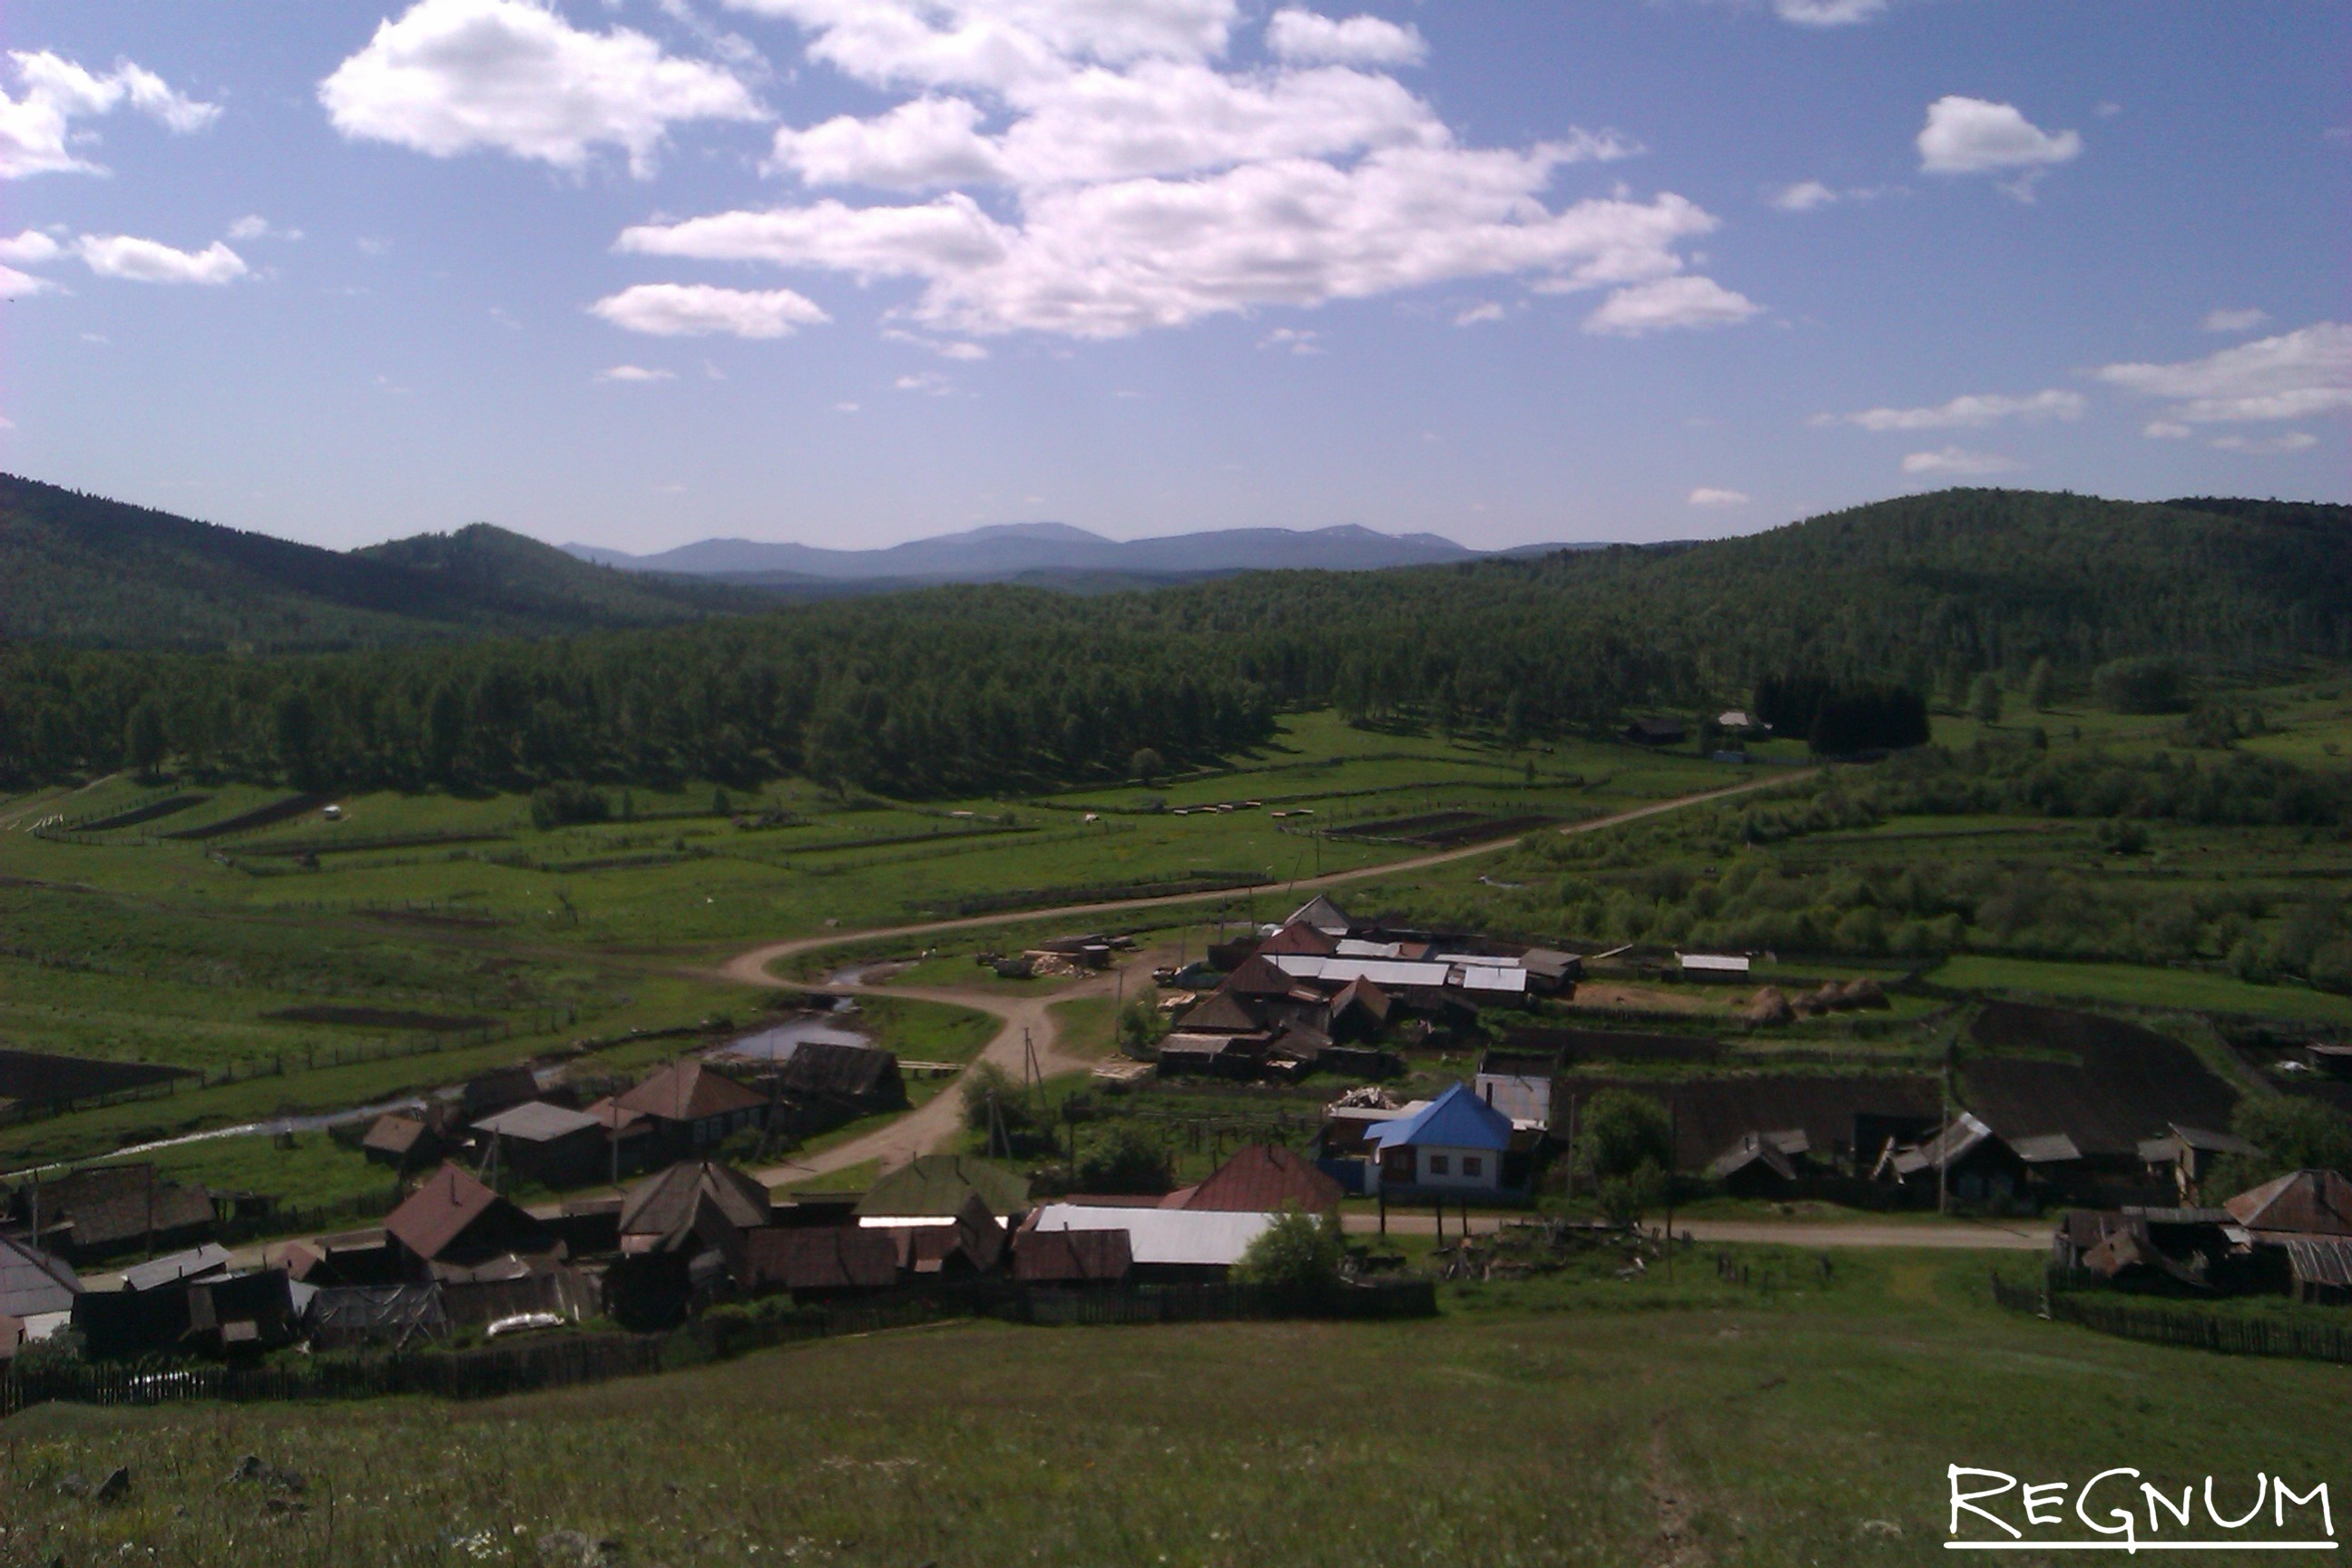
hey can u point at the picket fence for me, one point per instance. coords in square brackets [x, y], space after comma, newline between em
[2196, 1331]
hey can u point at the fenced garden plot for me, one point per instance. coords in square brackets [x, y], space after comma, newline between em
[2172, 1326]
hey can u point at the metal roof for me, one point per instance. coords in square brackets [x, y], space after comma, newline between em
[538, 1122]
[2044, 1149]
[1379, 971]
[1457, 1118]
[33, 1283]
[1352, 948]
[1201, 1238]
[936, 1185]
[2314, 1203]
[1486, 979]
[1262, 1178]
[212, 1257]
[2321, 1260]
[1721, 963]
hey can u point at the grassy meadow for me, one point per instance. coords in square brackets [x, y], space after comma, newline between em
[1799, 1418]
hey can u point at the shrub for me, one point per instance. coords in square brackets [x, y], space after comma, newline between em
[562, 805]
[1618, 1131]
[1126, 1160]
[2141, 685]
[1299, 1252]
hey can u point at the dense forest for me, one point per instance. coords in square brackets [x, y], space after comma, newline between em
[95, 573]
[965, 690]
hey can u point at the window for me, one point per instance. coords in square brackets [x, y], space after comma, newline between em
[1470, 1164]
[1438, 1164]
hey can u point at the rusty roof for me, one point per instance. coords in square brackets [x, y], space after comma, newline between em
[394, 1133]
[2311, 1202]
[1222, 1014]
[2321, 1260]
[688, 1091]
[1263, 1178]
[835, 1257]
[444, 1207]
[1071, 1257]
[1300, 938]
[668, 1205]
[1254, 976]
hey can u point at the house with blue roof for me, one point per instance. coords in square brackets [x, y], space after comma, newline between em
[1455, 1143]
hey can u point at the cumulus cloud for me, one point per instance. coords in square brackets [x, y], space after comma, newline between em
[1966, 413]
[15, 285]
[457, 76]
[2292, 441]
[634, 372]
[36, 134]
[30, 248]
[1669, 302]
[926, 380]
[1973, 136]
[1296, 34]
[1707, 495]
[697, 309]
[1956, 462]
[1828, 13]
[1485, 310]
[1298, 340]
[152, 261]
[2234, 320]
[1134, 180]
[2291, 375]
[1803, 196]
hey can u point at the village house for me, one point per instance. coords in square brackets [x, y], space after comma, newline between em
[821, 1263]
[1452, 1145]
[1262, 1178]
[452, 1225]
[932, 1189]
[1165, 1246]
[36, 1288]
[1072, 1257]
[688, 1107]
[92, 1212]
[2186, 1156]
[536, 1142]
[401, 1139]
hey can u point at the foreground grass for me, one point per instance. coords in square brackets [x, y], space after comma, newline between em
[1808, 1422]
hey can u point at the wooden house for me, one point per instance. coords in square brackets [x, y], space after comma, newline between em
[691, 1107]
[452, 1222]
[1453, 1145]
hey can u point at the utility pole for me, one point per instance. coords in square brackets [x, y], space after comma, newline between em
[1944, 1133]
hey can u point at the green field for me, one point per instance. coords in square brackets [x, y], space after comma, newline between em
[2138, 985]
[1794, 1420]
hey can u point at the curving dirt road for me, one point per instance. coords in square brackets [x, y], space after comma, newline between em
[928, 1126]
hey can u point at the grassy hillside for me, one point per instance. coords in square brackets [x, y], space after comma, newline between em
[84, 570]
[1795, 1414]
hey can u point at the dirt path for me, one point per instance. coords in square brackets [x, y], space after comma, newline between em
[936, 1121]
[751, 968]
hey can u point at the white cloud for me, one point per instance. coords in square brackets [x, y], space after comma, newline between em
[928, 381]
[36, 134]
[455, 76]
[844, 408]
[1111, 259]
[697, 309]
[31, 248]
[2234, 320]
[1306, 36]
[15, 285]
[1973, 136]
[258, 227]
[2292, 441]
[1147, 184]
[1968, 413]
[1828, 13]
[2290, 376]
[152, 261]
[1670, 302]
[1707, 495]
[1486, 310]
[2166, 430]
[1803, 196]
[1298, 340]
[1956, 461]
[633, 373]
[945, 348]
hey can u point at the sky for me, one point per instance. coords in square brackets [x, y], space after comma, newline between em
[634, 273]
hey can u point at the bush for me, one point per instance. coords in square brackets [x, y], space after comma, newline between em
[1126, 1160]
[562, 805]
[1619, 1132]
[2141, 685]
[2293, 1134]
[1299, 1252]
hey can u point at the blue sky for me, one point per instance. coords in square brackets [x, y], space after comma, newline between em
[637, 272]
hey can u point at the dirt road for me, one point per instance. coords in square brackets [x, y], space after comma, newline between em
[751, 968]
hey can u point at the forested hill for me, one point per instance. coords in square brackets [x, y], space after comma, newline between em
[84, 570]
[974, 688]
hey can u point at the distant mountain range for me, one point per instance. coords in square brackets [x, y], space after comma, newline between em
[82, 569]
[1042, 552]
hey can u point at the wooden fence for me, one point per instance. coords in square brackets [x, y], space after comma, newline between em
[559, 1363]
[2167, 1326]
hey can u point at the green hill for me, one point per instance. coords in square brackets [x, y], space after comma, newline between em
[970, 690]
[84, 570]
